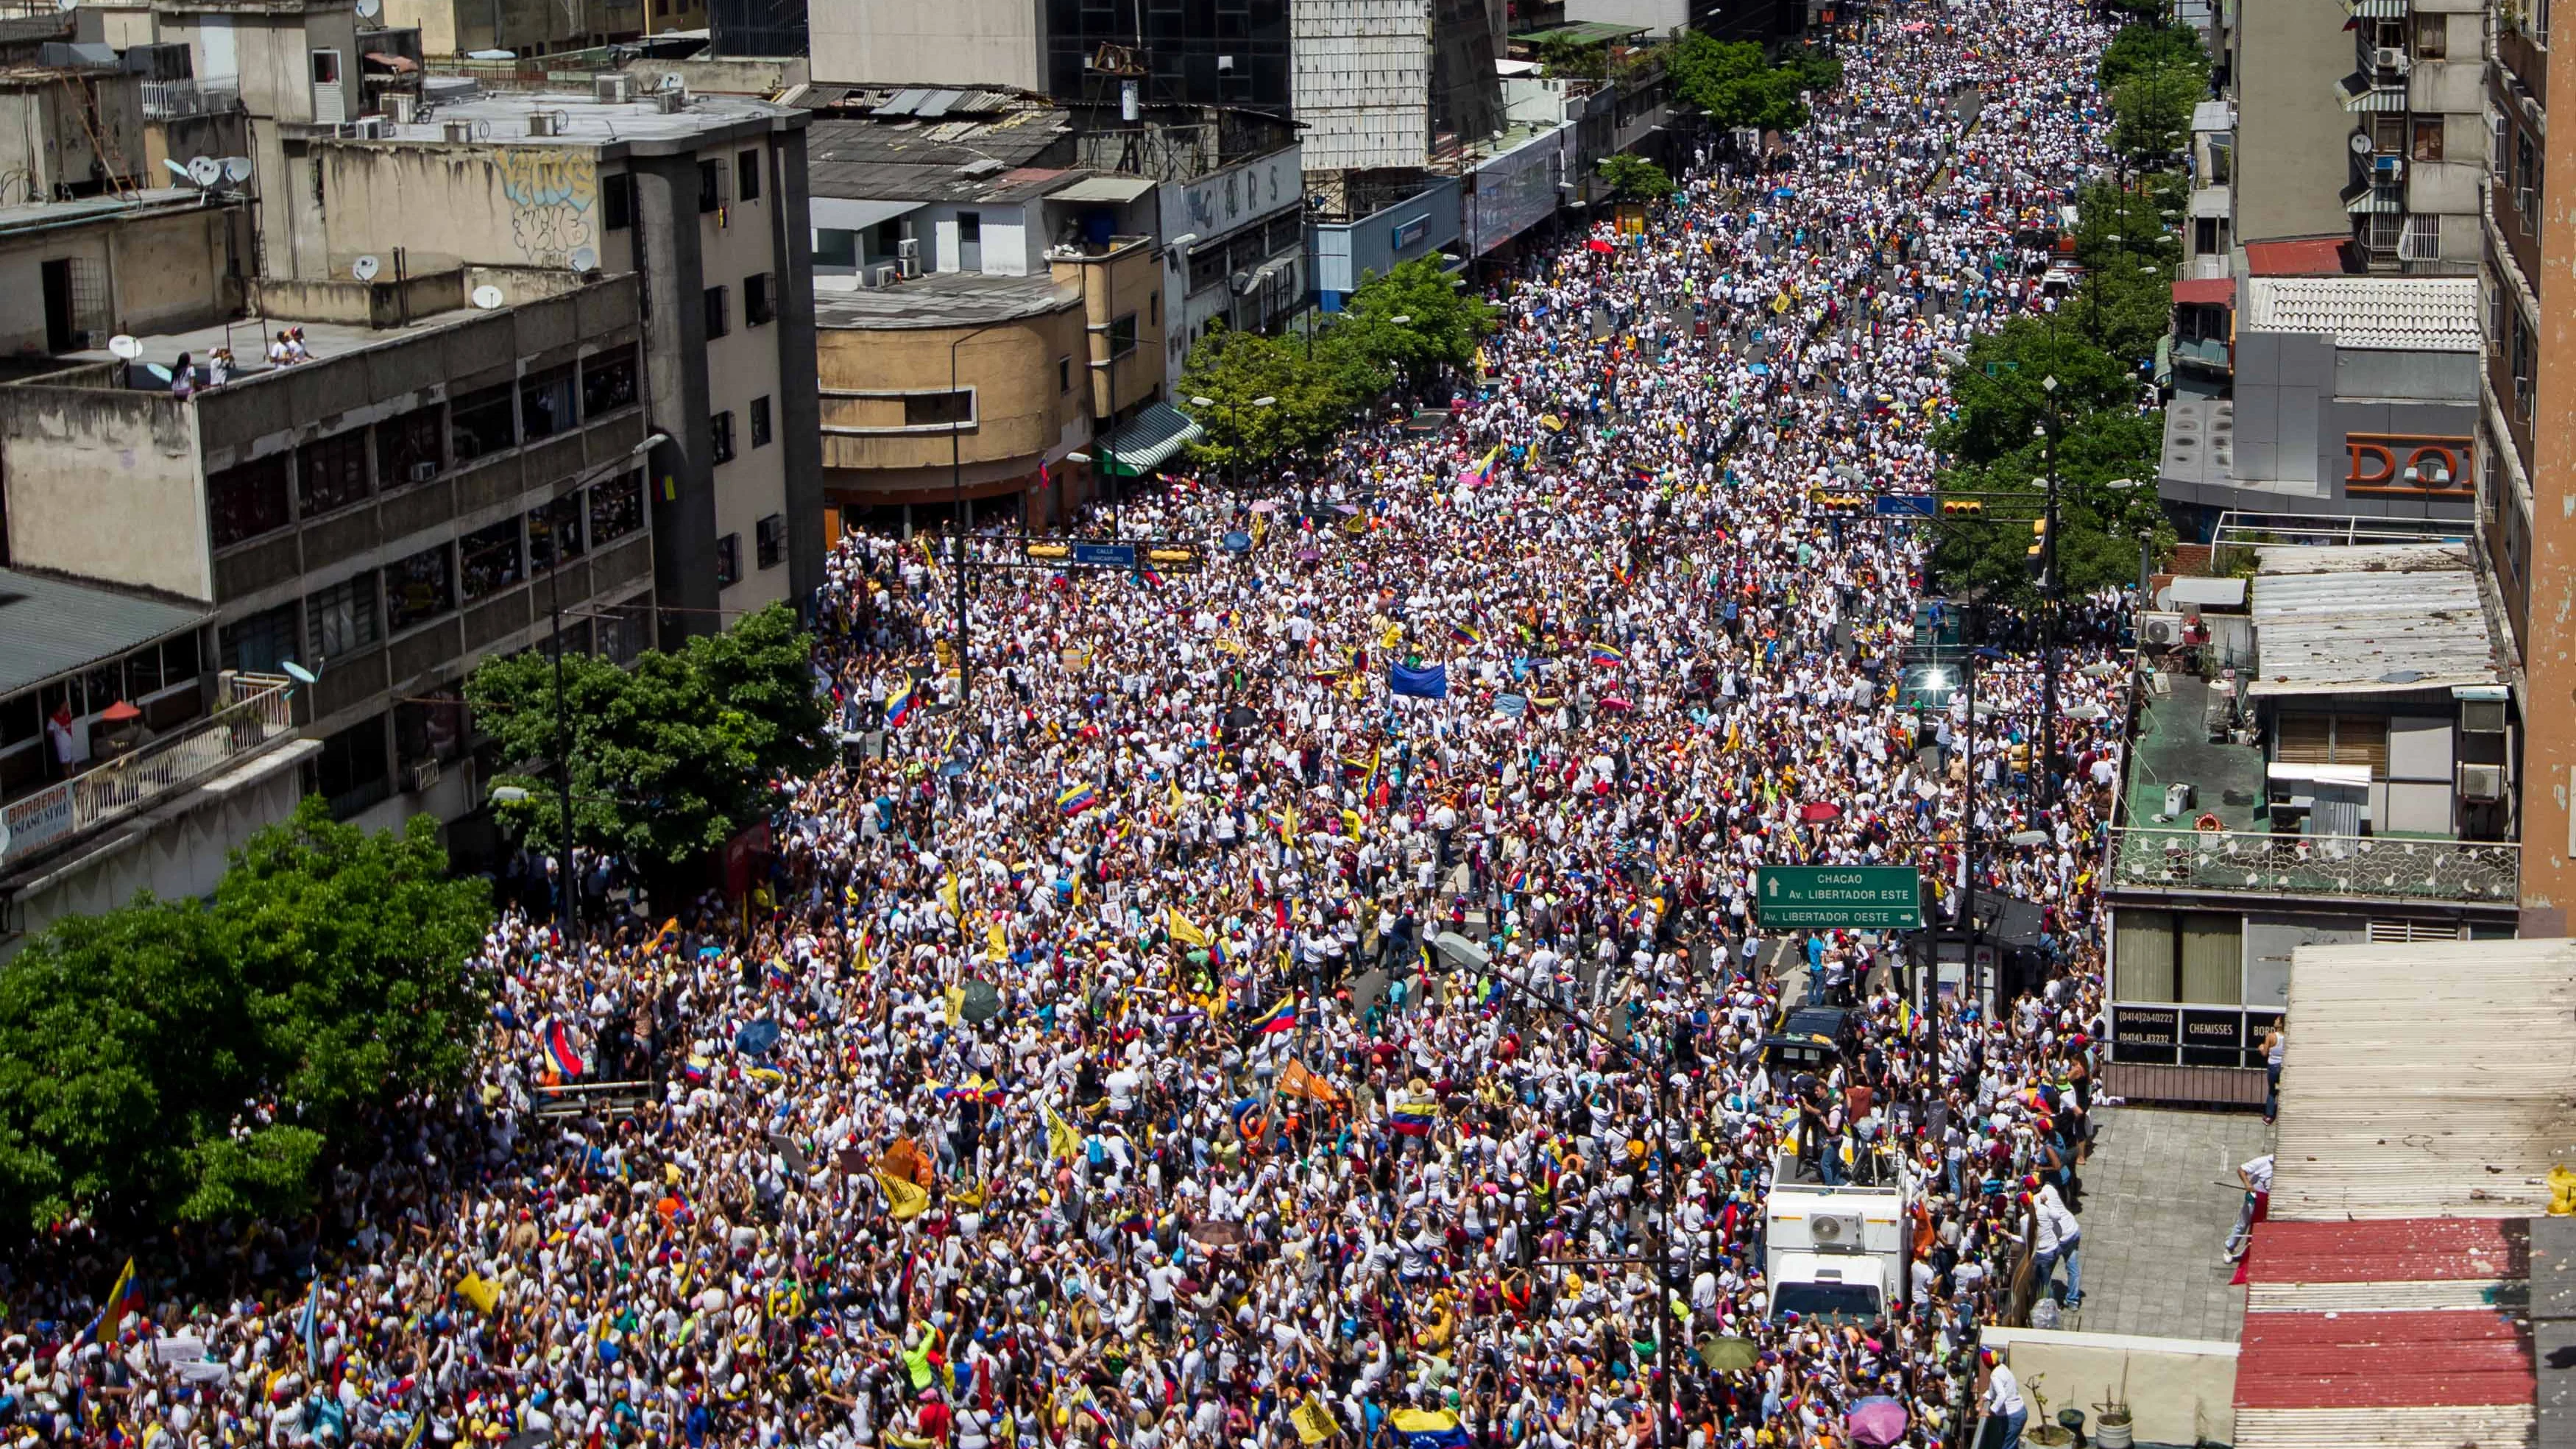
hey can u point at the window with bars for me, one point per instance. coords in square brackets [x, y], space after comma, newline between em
[331, 473]
[342, 619]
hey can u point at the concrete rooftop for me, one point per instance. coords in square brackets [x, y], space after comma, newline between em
[943, 299]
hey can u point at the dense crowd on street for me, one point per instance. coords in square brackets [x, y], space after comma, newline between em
[1084, 1068]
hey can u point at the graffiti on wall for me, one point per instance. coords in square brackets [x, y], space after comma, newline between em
[554, 201]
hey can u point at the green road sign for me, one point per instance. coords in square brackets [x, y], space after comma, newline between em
[1865, 897]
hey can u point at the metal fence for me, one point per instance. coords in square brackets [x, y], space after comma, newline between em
[2358, 867]
[258, 710]
[170, 100]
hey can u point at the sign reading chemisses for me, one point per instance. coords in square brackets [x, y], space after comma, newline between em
[1863, 897]
[36, 820]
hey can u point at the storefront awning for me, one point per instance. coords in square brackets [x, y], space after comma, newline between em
[1145, 440]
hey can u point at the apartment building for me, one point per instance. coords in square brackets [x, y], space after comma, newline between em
[2517, 101]
[2537, 238]
[2416, 179]
[703, 199]
[459, 465]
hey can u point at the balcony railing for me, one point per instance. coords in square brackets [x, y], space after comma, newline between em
[170, 100]
[258, 711]
[2354, 867]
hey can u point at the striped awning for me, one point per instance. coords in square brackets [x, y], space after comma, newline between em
[2374, 201]
[2377, 9]
[2358, 94]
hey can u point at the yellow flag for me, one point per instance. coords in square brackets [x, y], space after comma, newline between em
[996, 942]
[948, 898]
[1186, 933]
[904, 1200]
[480, 1291]
[956, 1003]
[1394, 632]
[1062, 1141]
[1314, 1422]
[1176, 796]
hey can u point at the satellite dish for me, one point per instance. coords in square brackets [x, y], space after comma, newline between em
[125, 347]
[584, 258]
[236, 169]
[177, 169]
[298, 672]
[205, 170]
[487, 297]
[2360, 144]
[157, 370]
[364, 269]
[370, 9]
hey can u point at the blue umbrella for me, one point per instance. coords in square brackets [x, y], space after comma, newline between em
[1237, 541]
[757, 1038]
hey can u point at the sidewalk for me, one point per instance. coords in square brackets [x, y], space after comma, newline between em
[2155, 1213]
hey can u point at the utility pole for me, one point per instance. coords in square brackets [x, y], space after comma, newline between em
[2045, 758]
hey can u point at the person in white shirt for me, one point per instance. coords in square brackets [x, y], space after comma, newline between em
[2257, 1177]
[2003, 1395]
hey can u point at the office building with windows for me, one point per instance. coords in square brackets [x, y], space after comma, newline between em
[434, 487]
[700, 197]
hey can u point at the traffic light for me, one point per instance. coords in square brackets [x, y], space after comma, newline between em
[1956, 507]
[1845, 503]
[2037, 554]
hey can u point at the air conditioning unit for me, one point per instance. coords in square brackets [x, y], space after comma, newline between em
[545, 123]
[366, 128]
[457, 133]
[671, 102]
[421, 776]
[2394, 57]
[2482, 782]
[402, 107]
[422, 472]
[2387, 170]
[612, 90]
[907, 256]
[880, 276]
[2482, 716]
[1834, 1232]
[2159, 631]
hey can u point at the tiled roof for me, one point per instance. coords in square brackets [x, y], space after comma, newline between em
[2427, 314]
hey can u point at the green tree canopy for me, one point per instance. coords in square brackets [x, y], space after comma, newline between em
[2151, 111]
[1308, 400]
[670, 756]
[1634, 178]
[1735, 85]
[2145, 47]
[1448, 318]
[178, 1061]
[2001, 393]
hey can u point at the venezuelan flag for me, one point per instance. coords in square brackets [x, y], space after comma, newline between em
[1413, 1119]
[1151, 578]
[1464, 635]
[899, 707]
[559, 1047]
[1077, 799]
[1282, 1016]
[1603, 654]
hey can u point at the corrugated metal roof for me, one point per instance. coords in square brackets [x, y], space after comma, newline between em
[2426, 1080]
[52, 627]
[2369, 620]
[2360, 1360]
[2423, 314]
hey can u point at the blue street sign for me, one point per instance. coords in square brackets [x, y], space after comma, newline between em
[1105, 555]
[1905, 505]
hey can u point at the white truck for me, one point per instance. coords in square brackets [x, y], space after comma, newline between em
[1833, 1252]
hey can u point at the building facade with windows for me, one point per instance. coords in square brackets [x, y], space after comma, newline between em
[420, 496]
[2417, 170]
[702, 198]
[2337, 764]
[2515, 282]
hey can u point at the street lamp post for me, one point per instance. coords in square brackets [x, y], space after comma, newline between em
[1476, 959]
[570, 905]
[957, 500]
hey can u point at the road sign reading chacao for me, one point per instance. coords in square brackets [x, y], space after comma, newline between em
[1867, 897]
